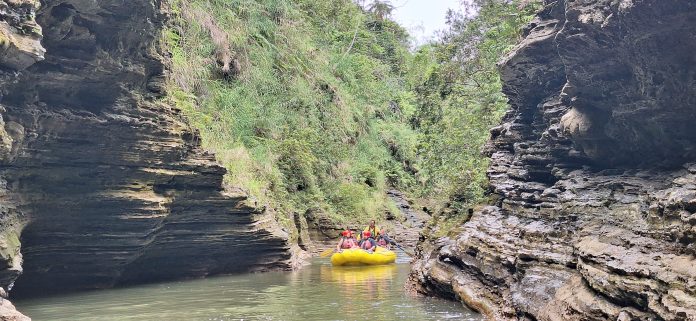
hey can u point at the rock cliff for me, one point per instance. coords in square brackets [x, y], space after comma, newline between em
[593, 171]
[101, 182]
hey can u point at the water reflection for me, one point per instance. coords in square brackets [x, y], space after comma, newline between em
[368, 286]
[318, 292]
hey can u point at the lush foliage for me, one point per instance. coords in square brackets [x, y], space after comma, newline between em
[459, 96]
[314, 104]
[304, 101]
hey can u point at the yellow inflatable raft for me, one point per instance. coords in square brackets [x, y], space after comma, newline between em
[362, 257]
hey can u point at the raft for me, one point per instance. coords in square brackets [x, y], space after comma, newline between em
[362, 257]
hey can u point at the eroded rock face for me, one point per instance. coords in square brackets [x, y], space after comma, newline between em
[20, 35]
[106, 182]
[594, 169]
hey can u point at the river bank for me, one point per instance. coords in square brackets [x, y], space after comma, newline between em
[404, 229]
[315, 291]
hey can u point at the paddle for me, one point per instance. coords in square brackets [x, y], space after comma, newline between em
[403, 249]
[327, 252]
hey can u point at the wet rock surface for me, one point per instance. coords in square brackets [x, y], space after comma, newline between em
[106, 182]
[593, 169]
[406, 232]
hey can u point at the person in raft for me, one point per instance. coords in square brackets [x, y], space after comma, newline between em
[352, 238]
[372, 228]
[383, 239]
[347, 241]
[367, 243]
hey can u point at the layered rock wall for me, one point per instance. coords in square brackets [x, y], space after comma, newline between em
[594, 173]
[104, 181]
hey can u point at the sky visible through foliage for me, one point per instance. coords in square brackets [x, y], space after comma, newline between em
[423, 18]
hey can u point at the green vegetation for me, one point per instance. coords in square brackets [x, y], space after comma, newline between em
[303, 101]
[459, 96]
[314, 104]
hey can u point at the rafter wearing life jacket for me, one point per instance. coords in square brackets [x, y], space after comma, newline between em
[347, 241]
[368, 243]
[383, 239]
[372, 228]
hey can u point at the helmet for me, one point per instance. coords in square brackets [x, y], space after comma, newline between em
[367, 234]
[345, 233]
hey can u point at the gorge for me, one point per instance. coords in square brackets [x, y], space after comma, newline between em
[592, 177]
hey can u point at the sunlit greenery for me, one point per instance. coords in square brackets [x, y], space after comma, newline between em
[314, 104]
[315, 115]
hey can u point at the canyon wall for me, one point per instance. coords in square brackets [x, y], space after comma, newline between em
[103, 183]
[593, 172]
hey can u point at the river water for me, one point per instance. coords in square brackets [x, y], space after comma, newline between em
[317, 292]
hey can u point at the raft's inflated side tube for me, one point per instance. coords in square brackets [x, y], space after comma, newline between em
[362, 257]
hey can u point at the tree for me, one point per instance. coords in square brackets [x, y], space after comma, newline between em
[381, 9]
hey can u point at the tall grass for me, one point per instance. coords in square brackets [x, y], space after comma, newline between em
[314, 116]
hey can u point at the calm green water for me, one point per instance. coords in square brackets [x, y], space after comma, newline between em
[317, 292]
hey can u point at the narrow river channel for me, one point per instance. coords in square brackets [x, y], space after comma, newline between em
[317, 292]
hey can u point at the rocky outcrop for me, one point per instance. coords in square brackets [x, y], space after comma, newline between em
[593, 171]
[8, 312]
[104, 180]
[20, 36]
